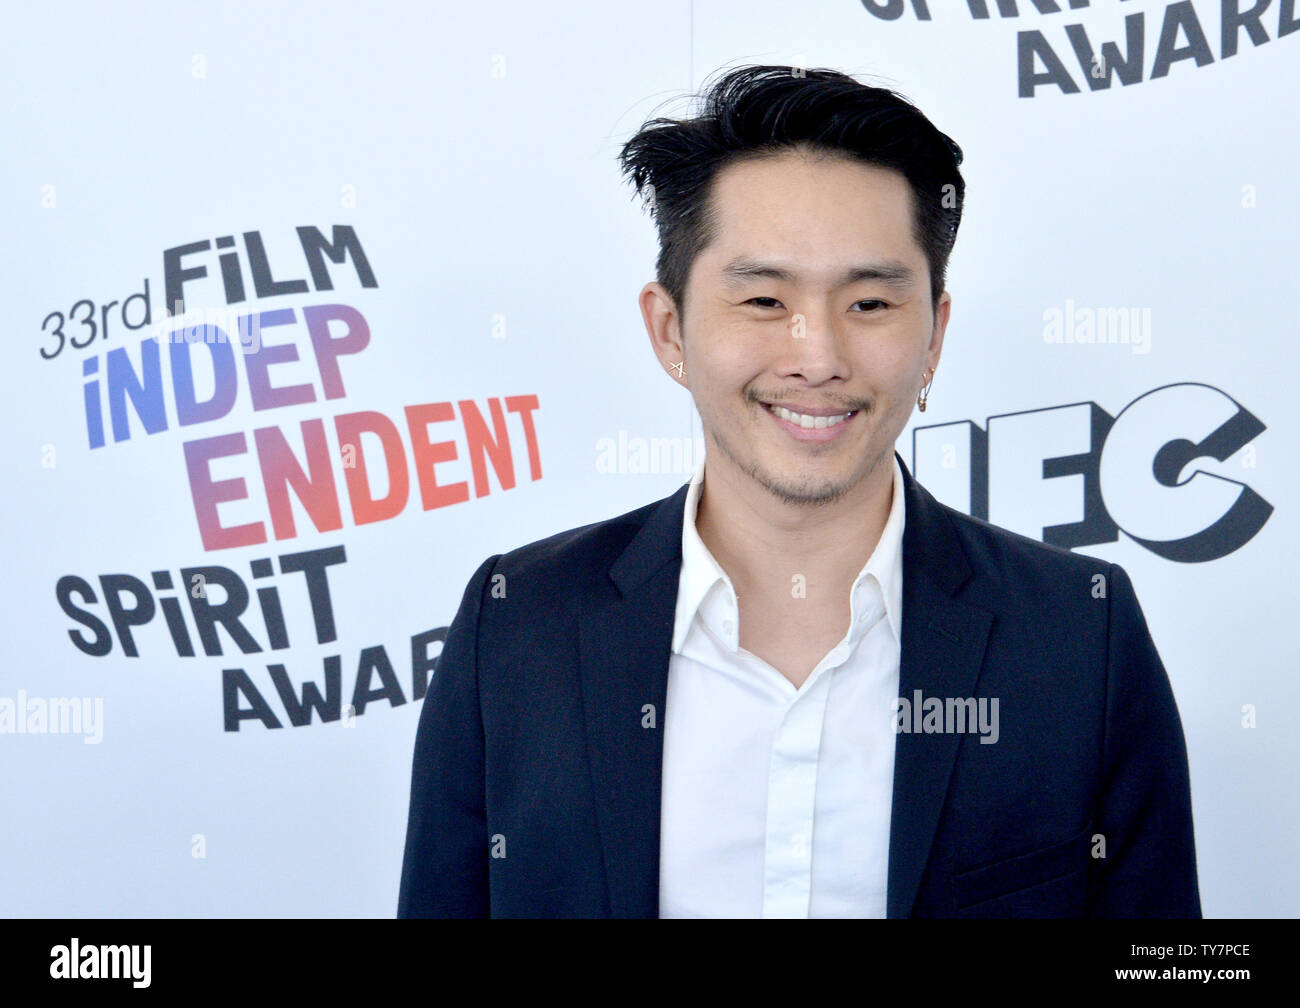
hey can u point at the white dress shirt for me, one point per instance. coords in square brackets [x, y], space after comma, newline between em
[776, 800]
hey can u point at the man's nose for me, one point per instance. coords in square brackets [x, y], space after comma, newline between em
[814, 348]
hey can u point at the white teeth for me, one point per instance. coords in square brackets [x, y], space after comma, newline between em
[803, 420]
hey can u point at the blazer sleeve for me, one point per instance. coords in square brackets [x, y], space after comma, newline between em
[444, 867]
[1145, 809]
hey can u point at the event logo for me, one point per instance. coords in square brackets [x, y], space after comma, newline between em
[1075, 476]
[194, 383]
[1155, 42]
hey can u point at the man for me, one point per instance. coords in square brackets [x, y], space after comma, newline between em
[799, 686]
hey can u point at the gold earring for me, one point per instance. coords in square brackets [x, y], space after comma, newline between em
[680, 367]
[925, 392]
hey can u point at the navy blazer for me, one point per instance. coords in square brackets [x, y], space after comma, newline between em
[538, 758]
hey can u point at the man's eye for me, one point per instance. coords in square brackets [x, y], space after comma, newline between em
[754, 301]
[871, 301]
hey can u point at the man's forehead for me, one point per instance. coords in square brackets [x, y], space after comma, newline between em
[747, 205]
[875, 243]
[868, 249]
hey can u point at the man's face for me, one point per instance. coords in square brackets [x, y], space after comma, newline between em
[776, 316]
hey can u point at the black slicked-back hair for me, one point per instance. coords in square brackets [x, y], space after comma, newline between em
[761, 111]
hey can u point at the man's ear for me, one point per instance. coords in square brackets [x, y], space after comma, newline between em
[662, 324]
[942, 312]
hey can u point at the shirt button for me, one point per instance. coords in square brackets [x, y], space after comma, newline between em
[728, 627]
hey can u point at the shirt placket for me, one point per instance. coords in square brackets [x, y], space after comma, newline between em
[791, 801]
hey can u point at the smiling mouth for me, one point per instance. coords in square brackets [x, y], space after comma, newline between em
[810, 421]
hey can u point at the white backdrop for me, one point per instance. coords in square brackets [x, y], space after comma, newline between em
[471, 151]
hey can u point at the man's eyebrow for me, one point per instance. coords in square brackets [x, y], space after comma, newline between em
[891, 272]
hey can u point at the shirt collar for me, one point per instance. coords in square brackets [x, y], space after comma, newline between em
[701, 574]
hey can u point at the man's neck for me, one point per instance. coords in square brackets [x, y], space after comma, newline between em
[762, 541]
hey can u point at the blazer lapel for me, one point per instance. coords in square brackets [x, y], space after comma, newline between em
[625, 641]
[942, 650]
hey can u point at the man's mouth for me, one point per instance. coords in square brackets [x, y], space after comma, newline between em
[810, 417]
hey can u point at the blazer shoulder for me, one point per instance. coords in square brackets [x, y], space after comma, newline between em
[1019, 563]
[564, 561]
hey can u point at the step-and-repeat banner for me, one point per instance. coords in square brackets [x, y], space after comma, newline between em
[310, 309]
